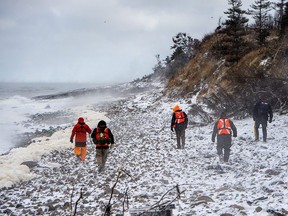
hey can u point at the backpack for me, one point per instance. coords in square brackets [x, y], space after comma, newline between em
[101, 137]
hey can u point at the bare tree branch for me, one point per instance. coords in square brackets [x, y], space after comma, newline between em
[108, 206]
[76, 204]
[164, 205]
[71, 204]
[125, 199]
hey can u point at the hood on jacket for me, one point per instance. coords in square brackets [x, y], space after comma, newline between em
[223, 114]
[101, 123]
[176, 108]
[81, 120]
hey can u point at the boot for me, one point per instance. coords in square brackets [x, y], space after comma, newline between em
[221, 159]
[100, 168]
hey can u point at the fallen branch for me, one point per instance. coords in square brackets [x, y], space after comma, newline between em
[256, 200]
[158, 203]
[163, 206]
[76, 204]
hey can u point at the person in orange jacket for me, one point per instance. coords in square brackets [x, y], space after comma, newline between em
[224, 128]
[179, 122]
[79, 131]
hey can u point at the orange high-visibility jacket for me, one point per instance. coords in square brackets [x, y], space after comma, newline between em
[102, 137]
[224, 126]
[179, 117]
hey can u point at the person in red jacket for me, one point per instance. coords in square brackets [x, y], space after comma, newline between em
[79, 131]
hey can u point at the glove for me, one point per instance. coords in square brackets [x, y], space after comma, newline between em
[71, 140]
[213, 140]
[234, 135]
[270, 120]
[172, 129]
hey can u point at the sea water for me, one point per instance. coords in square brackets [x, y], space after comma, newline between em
[17, 106]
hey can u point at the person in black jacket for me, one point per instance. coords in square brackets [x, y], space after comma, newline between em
[224, 128]
[103, 139]
[262, 112]
[179, 122]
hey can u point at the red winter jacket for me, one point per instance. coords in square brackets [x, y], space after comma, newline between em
[80, 130]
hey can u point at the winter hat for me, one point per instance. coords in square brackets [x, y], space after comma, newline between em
[176, 108]
[223, 114]
[263, 99]
[81, 120]
[101, 124]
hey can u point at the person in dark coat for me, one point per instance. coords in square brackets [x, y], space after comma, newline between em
[224, 128]
[262, 112]
[179, 122]
[103, 139]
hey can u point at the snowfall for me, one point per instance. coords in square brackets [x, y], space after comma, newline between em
[145, 172]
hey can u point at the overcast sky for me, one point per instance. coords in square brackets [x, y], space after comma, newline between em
[96, 40]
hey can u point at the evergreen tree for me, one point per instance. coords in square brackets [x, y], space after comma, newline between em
[284, 23]
[281, 18]
[184, 47]
[260, 12]
[233, 46]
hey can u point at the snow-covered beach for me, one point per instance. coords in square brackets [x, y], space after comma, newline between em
[151, 171]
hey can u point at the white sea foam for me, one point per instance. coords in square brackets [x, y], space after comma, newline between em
[17, 106]
[11, 170]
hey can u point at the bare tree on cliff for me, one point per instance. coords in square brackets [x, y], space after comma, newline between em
[158, 68]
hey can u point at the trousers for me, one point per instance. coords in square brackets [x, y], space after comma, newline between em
[80, 152]
[180, 137]
[264, 129]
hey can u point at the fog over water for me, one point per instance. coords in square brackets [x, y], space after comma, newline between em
[17, 106]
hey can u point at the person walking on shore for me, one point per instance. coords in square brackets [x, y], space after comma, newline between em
[224, 128]
[261, 113]
[179, 122]
[103, 139]
[79, 131]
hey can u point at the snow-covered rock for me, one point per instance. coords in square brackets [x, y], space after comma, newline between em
[148, 172]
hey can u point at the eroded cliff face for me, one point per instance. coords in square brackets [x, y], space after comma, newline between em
[261, 72]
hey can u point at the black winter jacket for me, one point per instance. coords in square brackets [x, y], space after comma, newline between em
[262, 112]
[180, 126]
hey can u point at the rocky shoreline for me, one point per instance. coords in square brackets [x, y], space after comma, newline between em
[59, 120]
[151, 172]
